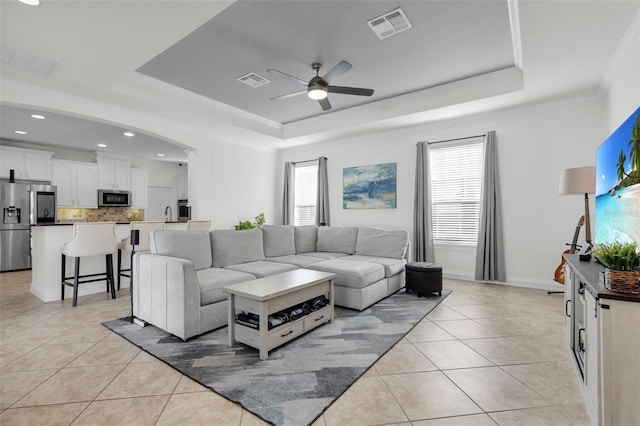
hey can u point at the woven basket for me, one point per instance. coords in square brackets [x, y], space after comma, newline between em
[622, 281]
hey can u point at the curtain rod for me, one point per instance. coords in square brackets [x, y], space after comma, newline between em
[304, 161]
[457, 139]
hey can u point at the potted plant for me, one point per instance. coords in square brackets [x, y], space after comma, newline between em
[258, 222]
[622, 262]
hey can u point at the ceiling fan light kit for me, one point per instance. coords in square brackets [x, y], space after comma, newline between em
[319, 87]
[317, 93]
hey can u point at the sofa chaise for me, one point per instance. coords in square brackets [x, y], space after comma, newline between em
[177, 285]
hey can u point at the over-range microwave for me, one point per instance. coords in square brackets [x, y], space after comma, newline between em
[113, 198]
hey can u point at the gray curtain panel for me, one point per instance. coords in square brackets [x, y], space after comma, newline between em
[322, 201]
[422, 220]
[287, 194]
[490, 250]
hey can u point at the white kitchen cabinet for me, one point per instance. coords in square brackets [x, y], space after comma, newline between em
[77, 183]
[182, 187]
[139, 182]
[113, 172]
[27, 163]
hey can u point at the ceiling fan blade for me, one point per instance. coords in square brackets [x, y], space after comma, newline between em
[337, 71]
[350, 90]
[325, 104]
[287, 76]
[289, 95]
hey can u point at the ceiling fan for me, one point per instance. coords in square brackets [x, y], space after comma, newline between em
[319, 87]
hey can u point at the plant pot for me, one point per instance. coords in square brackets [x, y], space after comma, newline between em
[622, 281]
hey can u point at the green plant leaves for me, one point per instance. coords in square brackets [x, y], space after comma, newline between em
[258, 222]
[618, 256]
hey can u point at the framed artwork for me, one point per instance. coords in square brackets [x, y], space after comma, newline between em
[369, 187]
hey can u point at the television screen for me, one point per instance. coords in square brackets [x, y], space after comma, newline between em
[618, 185]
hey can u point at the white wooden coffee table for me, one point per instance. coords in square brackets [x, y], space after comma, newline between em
[266, 296]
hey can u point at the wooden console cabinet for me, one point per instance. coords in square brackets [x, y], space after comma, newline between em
[602, 329]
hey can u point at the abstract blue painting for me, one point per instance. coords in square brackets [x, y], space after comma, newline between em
[369, 187]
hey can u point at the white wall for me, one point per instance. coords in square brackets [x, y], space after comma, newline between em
[534, 144]
[622, 81]
[229, 183]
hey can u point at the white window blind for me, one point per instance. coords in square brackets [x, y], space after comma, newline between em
[305, 186]
[456, 185]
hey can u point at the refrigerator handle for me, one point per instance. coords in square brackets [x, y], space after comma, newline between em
[32, 208]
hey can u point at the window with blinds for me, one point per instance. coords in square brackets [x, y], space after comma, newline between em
[305, 186]
[456, 185]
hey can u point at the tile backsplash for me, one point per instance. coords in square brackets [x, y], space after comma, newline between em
[102, 214]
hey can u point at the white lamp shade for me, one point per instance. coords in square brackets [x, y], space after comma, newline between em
[579, 180]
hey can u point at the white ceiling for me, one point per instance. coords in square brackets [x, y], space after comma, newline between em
[170, 66]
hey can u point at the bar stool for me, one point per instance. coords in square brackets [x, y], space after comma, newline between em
[90, 239]
[199, 225]
[144, 229]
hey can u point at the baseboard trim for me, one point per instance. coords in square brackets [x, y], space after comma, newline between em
[540, 285]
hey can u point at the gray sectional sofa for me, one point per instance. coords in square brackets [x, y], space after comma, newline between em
[177, 286]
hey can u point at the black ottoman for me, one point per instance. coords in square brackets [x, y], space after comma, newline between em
[423, 278]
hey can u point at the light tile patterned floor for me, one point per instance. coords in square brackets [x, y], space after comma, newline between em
[487, 355]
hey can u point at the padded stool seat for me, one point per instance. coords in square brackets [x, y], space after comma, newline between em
[89, 239]
[423, 278]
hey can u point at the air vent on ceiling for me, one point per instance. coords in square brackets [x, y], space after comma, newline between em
[252, 79]
[390, 23]
[26, 61]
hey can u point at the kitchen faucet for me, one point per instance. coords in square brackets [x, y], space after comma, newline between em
[168, 210]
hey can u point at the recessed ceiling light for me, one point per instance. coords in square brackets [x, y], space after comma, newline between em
[38, 116]
[30, 2]
[129, 134]
[160, 155]
[101, 145]
[20, 132]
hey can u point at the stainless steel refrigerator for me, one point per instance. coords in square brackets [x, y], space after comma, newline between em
[23, 203]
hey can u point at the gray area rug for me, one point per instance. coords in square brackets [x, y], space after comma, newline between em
[300, 379]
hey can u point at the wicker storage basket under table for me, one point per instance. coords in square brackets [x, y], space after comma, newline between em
[622, 281]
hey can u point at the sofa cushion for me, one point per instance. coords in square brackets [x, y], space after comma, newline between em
[233, 247]
[191, 245]
[351, 274]
[305, 238]
[336, 239]
[325, 254]
[300, 260]
[391, 266]
[382, 242]
[262, 268]
[213, 279]
[278, 240]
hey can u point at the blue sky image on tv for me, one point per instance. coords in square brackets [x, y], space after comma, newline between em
[618, 185]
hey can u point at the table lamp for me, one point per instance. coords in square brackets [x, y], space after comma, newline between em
[580, 180]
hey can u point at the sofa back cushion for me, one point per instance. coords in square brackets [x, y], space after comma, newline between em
[278, 240]
[336, 239]
[382, 242]
[305, 238]
[192, 245]
[234, 247]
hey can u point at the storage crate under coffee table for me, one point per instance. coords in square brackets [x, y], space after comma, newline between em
[266, 296]
[423, 278]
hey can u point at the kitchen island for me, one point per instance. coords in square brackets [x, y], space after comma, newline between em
[46, 244]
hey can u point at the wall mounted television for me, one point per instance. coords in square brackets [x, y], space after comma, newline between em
[618, 185]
